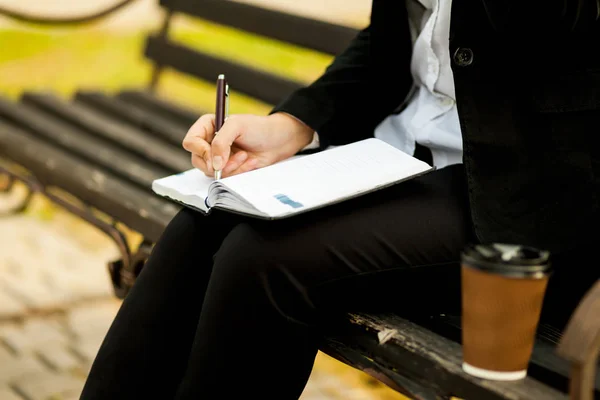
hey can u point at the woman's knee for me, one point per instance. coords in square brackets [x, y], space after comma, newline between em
[250, 261]
[197, 229]
[186, 235]
[244, 250]
[185, 222]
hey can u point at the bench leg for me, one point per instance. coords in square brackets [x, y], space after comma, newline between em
[7, 184]
[123, 271]
[123, 275]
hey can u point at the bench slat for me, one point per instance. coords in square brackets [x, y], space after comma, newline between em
[258, 84]
[140, 210]
[128, 138]
[133, 114]
[422, 356]
[164, 108]
[302, 31]
[75, 141]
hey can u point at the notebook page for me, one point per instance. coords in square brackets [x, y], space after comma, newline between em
[190, 187]
[315, 180]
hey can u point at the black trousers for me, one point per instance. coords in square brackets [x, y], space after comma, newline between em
[236, 304]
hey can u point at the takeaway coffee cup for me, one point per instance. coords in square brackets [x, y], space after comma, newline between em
[503, 287]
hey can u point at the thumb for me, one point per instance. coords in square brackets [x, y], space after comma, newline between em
[221, 144]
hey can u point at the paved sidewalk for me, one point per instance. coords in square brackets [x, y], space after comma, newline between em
[56, 304]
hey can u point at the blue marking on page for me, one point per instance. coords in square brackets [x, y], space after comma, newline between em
[286, 200]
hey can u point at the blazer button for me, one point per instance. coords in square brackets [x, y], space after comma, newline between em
[463, 56]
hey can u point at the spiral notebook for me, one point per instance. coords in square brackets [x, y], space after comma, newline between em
[296, 185]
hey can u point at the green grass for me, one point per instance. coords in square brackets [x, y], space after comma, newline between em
[63, 61]
[277, 57]
[20, 45]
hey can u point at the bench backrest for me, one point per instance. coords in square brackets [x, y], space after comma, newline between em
[305, 32]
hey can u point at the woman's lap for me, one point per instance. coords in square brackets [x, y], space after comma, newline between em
[209, 277]
[349, 254]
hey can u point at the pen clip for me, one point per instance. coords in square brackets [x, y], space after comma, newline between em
[226, 101]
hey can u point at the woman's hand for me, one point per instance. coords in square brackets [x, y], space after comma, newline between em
[245, 142]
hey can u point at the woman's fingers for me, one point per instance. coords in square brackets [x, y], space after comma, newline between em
[221, 145]
[200, 149]
[199, 163]
[249, 165]
[203, 128]
[198, 138]
[235, 161]
[238, 163]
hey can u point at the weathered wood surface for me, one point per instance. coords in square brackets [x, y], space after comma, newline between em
[53, 166]
[154, 104]
[171, 131]
[130, 139]
[255, 83]
[79, 143]
[429, 361]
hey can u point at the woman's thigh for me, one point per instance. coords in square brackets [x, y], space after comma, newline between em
[361, 251]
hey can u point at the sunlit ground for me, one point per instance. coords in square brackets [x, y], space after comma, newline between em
[63, 61]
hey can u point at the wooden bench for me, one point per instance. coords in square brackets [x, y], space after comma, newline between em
[105, 151]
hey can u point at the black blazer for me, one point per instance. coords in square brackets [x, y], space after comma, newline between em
[527, 83]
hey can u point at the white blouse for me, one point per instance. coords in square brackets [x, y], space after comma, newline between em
[430, 117]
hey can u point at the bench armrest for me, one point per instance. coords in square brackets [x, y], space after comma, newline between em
[580, 345]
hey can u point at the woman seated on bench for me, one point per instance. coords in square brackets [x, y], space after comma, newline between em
[236, 304]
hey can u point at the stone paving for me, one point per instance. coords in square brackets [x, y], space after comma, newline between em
[56, 304]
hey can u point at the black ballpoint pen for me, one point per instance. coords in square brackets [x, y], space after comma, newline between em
[221, 109]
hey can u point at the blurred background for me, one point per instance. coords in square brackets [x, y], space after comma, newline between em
[56, 299]
[107, 55]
